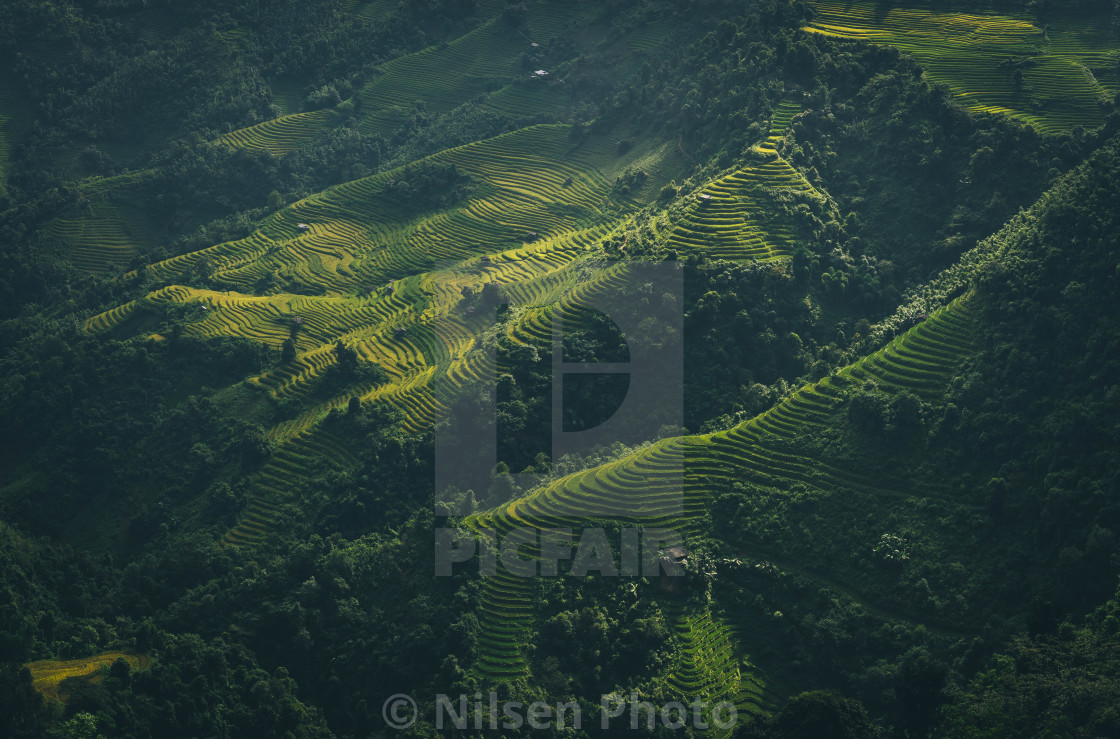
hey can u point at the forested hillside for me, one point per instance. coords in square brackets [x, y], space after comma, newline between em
[254, 255]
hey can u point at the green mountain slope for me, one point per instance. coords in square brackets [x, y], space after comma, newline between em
[259, 256]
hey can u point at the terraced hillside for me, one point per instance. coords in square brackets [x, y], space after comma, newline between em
[102, 235]
[374, 10]
[711, 666]
[361, 272]
[1066, 72]
[361, 233]
[386, 278]
[250, 442]
[487, 63]
[738, 216]
[355, 265]
[443, 77]
[48, 675]
[439, 78]
[281, 135]
[429, 355]
[646, 489]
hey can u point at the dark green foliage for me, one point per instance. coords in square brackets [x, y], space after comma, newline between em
[22, 712]
[198, 687]
[1044, 386]
[590, 648]
[930, 178]
[82, 422]
[428, 185]
[747, 325]
[1064, 684]
[287, 351]
[815, 715]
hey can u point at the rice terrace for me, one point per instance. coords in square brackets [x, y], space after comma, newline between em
[49, 676]
[707, 367]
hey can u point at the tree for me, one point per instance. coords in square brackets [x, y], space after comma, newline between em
[920, 689]
[819, 714]
[287, 351]
[905, 411]
[23, 712]
[867, 410]
[121, 671]
[347, 359]
[81, 726]
[515, 16]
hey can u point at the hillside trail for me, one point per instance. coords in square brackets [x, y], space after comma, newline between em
[680, 145]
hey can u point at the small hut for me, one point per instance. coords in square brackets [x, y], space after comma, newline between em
[672, 573]
[302, 226]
